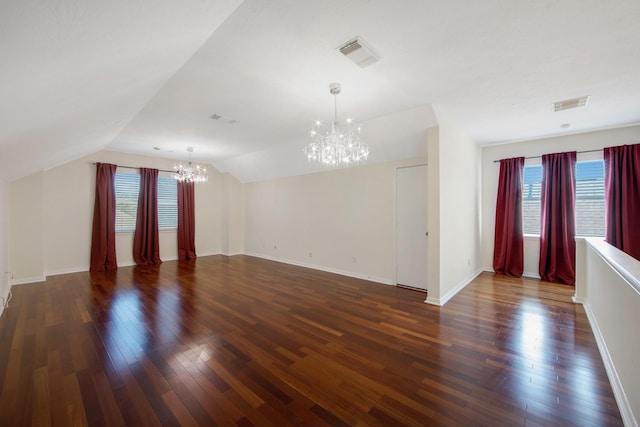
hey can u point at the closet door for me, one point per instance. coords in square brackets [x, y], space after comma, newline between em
[411, 226]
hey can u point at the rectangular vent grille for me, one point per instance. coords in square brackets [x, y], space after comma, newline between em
[359, 52]
[351, 47]
[223, 119]
[570, 103]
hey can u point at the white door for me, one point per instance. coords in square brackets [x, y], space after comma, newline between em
[411, 226]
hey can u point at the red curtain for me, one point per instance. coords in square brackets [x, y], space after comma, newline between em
[557, 221]
[186, 220]
[103, 237]
[508, 249]
[622, 196]
[146, 244]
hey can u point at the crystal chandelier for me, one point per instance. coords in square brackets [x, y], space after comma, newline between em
[190, 173]
[338, 144]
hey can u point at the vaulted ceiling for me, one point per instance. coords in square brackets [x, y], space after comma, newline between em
[141, 76]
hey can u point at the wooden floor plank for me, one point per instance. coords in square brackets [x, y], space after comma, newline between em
[242, 341]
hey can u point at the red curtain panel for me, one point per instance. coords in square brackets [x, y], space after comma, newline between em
[622, 198]
[557, 220]
[146, 243]
[103, 236]
[508, 249]
[186, 221]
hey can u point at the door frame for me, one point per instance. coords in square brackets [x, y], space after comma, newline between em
[402, 165]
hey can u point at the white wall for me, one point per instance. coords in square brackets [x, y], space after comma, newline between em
[339, 221]
[4, 242]
[490, 172]
[232, 215]
[26, 236]
[459, 209]
[433, 213]
[51, 215]
[209, 205]
[67, 208]
[608, 284]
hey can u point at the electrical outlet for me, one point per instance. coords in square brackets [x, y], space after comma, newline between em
[310, 255]
[355, 259]
[275, 247]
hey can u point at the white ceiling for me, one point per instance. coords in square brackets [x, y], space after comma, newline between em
[78, 76]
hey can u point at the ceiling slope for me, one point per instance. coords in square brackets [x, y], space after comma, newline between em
[75, 72]
[131, 76]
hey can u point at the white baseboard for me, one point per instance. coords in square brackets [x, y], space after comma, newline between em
[528, 274]
[460, 286]
[208, 254]
[126, 263]
[231, 253]
[26, 280]
[531, 275]
[618, 390]
[66, 271]
[578, 300]
[322, 268]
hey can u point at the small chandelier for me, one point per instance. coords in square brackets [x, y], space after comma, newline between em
[190, 173]
[339, 144]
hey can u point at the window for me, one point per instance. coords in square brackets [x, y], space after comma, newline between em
[589, 198]
[167, 203]
[532, 183]
[127, 187]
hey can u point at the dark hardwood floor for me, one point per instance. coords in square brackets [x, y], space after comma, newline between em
[243, 341]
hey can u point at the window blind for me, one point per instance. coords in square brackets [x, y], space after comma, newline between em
[589, 198]
[127, 186]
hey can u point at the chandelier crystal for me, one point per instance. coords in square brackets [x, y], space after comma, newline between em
[190, 173]
[338, 144]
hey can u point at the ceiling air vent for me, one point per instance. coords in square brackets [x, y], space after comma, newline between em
[220, 118]
[359, 52]
[570, 103]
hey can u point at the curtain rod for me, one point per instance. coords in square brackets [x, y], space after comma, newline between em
[133, 167]
[539, 157]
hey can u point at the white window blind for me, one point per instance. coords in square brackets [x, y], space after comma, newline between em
[589, 198]
[167, 203]
[127, 186]
[532, 187]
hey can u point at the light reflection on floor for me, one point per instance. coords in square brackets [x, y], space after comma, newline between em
[146, 317]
